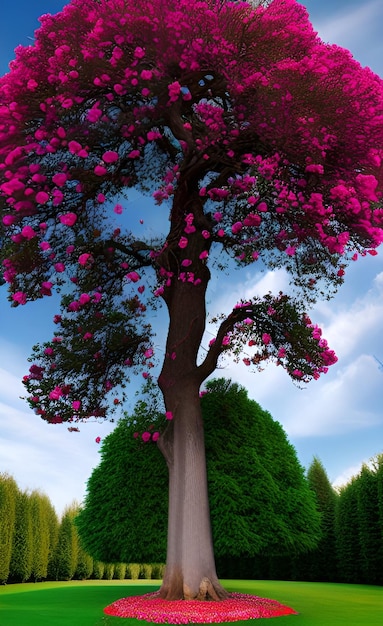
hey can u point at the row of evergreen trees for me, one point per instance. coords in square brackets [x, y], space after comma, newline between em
[35, 545]
[350, 549]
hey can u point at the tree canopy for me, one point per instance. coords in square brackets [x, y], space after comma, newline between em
[265, 143]
[260, 500]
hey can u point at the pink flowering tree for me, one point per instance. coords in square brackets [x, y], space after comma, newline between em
[261, 145]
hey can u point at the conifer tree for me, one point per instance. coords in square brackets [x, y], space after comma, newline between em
[22, 549]
[8, 497]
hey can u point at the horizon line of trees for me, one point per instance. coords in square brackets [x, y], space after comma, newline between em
[36, 545]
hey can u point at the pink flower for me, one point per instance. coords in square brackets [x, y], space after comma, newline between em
[84, 298]
[290, 250]
[56, 393]
[110, 156]
[59, 267]
[148, 353]
[236, 228]
[146, 436]
[84, 258]
[100, 170]
[46, 288]
[20, 297]
[76, 405]
[8, 220]
[28, 232]
[68, 219]
[169, 415]
[74, 147]
[155, 436]
[118, 209]
[98, 439]
[297, 373]
[42, 197]
[133, 277]
[183, 242]
[186, 263]
[48, 351]
[204, 255]
[146, 74]
[59, 179]
[87, 336]
[266, 338]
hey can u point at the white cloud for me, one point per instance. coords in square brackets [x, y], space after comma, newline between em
[357, 28]
[350, 472]
[43, 456]
[345, 400]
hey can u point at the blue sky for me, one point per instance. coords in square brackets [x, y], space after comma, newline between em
[338, 418]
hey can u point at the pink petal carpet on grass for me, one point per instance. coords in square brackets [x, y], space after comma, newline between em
[238, 606]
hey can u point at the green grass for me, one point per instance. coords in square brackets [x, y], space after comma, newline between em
[81, 603]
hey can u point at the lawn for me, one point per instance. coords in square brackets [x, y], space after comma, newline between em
[81, 603]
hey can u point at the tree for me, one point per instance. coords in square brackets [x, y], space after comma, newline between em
[22, 550]
[41, 515]
[347, 534]
[321, 563]
[8, 497]
[261, 143]
[67, 549]
[370, 529]
[260, 500]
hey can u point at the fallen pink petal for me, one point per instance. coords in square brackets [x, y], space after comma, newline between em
[238, 606]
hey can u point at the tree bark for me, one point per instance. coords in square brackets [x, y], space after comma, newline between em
[190, 567]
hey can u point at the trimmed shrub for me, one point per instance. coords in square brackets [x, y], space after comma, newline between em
[133, 571]
[98, 570]
[158, 570]
[109, 571]
[119, 571]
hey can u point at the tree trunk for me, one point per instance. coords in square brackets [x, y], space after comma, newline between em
[190, 568]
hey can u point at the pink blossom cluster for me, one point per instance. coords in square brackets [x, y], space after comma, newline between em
[238, 606]
[267, 142]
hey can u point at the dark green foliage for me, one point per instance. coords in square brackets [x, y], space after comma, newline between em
[22, 549]
[260, 500]
[84, 567]
[347, 532]
[125, 513]
[67, 546]
[370, 535]
[321, 564]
